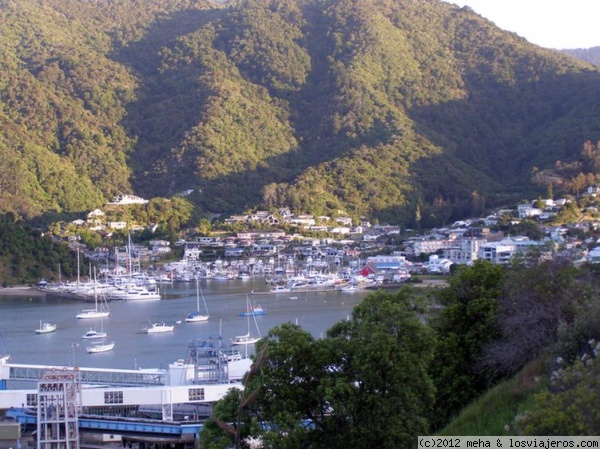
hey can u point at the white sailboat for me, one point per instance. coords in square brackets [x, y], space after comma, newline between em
[95, 312]
[100, 347]
[197, 316]
[247, 339]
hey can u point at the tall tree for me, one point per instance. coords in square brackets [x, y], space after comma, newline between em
[365, 385]
[466, 323]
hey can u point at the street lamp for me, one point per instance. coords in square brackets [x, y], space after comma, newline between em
[73, 346]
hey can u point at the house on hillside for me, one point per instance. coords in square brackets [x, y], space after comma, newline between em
[127, 199]
[95, 217]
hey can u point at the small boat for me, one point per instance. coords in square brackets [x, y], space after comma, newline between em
[158, 328]
[91, 333]
[91, 313]
[197, 316]
[247, 339]
[280, 289]
[256, 310]
[244, 340]
[100, 347]
[96, 312]
[45, 328]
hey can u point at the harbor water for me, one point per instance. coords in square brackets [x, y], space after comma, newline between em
[21, 315]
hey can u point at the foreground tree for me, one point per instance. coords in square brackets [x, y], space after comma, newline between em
[466, 323]
[365, 385]
[536, 301]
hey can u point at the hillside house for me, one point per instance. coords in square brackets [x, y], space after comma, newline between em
[117, 224]
[127, 199]
[95, 217]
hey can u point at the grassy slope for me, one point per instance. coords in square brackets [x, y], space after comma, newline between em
[494, 412]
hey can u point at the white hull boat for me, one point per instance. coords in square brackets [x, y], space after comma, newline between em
[159, 328]
[45, 328]
[247, 339]
[100, 347]
[91, 334]
[197, 316]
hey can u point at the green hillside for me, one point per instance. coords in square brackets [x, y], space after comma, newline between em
[377, 108]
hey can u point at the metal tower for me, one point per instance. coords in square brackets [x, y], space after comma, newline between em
[57, 411]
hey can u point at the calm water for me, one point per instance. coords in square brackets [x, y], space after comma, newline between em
[20, 317]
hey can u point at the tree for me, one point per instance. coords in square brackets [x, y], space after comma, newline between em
[465, 325]
[535, 301]
[204, 227]
[365, 385]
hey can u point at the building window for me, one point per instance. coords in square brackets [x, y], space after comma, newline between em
[196, 394]
[32, 400]
[113, 397]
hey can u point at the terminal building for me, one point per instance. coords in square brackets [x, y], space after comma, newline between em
[142, 406]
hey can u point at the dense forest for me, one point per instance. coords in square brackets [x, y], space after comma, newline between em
[406, 111]
[586, 54]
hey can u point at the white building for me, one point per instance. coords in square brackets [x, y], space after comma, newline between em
[428, 246]
[464, 251]
[497, 252]
[127, 199]
[525, 211]
[437, 265]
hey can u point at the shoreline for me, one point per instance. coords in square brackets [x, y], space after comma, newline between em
[21, 290]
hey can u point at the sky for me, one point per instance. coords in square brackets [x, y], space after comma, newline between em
[558, 24]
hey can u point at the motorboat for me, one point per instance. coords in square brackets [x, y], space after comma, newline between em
[45, 328]
[91, 333]
[158, 328]
[255, 310]
[136, 293]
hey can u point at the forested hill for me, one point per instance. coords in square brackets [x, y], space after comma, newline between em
[404, 110]
[591, 55]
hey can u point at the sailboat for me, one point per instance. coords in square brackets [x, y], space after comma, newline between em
[197, 316]
[95, 312]
[100, 347]
[247, 339]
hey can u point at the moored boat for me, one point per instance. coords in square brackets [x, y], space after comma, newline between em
[248, 338]
[158, 328]
[91, 333]
[256, 310]
[197, 316]
[45, 328]
[100, 347]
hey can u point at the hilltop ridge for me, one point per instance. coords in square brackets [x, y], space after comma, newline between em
[404, 111]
